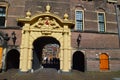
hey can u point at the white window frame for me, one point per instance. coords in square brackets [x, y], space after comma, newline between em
[6, 5]
[82, 20]
[99, 22]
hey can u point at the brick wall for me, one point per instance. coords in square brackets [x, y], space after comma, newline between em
[9, 32]
[92, 59]
[15, 10]
[94, 40]
[57, 7]
[18, 9]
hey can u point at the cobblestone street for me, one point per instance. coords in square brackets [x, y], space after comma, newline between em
[52, 74]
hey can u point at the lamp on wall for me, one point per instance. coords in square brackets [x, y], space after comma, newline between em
[78, 40]
[14, 37]
[7, 38]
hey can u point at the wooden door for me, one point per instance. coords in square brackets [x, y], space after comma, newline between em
[104, 62]
[1, 50]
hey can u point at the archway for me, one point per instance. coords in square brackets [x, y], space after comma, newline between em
[39, 30]
[78, 61]
[12, 59]
[104, 61]
[42, 55]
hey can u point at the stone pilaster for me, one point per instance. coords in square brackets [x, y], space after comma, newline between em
[65, 50]
[69, 50]
[30, 57]
[24, 49]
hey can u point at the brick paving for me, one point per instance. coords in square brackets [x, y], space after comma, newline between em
[52, 74]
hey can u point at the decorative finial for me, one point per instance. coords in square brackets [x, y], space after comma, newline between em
[65, 16]
[28, 14]
[48, 8]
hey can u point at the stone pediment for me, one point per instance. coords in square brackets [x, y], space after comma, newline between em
[43, 16]
[45, 20]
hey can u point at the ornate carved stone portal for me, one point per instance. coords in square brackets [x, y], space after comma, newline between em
[42, 29]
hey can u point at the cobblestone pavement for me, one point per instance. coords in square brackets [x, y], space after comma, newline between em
[52, 74]
[77, 75]
[43, 74]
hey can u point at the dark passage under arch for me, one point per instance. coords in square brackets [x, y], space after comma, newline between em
[12, 59]
[39, 45]
[78, 61]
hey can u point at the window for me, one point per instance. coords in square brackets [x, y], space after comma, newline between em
[101, 22]
[2, 16]
[79, 20]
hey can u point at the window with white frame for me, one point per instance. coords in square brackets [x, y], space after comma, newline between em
[2, 16]
[79, 20]
[101, 22]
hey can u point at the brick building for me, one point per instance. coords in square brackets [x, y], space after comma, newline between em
[93, 31]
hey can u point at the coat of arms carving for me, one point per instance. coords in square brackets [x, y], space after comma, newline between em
[47, 22]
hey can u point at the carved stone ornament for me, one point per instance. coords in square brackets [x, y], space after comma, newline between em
[47, 22]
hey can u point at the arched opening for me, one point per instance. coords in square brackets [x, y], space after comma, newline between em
[12, 59]
[104, 61]
[78, 61]
[45, 53]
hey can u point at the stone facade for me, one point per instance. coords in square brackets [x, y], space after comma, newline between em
[92, 43]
